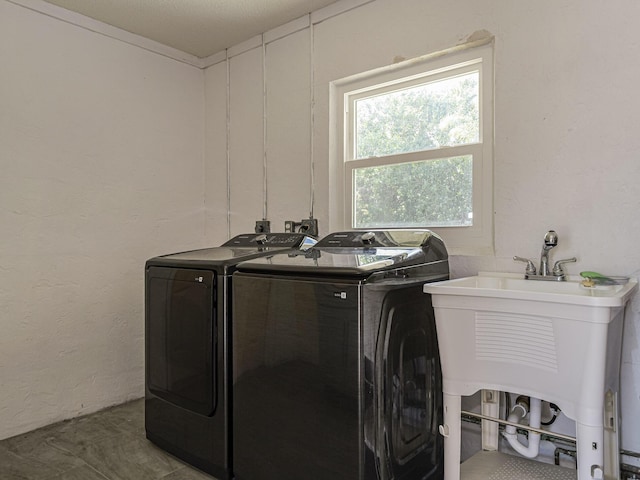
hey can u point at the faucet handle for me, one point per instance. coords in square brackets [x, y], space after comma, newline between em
[557, 267]
[531, 268]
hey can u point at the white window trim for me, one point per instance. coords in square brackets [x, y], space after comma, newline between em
[474, 240]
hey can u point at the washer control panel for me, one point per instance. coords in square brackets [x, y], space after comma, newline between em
[376, 238]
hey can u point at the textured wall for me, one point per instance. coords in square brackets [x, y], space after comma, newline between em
[101, 156]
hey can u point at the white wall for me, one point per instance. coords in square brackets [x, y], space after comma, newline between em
[101, 156]
[216, 168]
[567, 119]
[283, 146]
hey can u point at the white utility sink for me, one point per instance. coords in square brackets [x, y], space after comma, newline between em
[557, 341]
[514, 286]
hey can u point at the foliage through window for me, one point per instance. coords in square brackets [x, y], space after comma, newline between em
[432, 115]
[434, 192]
[417, 147]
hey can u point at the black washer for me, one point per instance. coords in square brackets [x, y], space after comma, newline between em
[336, 370]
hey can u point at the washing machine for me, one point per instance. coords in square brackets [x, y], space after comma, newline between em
[336, 371]
[187, 315]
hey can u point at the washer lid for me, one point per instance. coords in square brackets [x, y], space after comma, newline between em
[360, 254]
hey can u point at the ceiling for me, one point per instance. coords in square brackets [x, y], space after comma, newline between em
[198, 27]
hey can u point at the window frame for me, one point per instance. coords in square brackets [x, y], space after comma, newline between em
[475, 239]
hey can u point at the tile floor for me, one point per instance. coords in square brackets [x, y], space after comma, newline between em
[107, 445]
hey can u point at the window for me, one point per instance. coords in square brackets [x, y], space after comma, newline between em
[414, 148]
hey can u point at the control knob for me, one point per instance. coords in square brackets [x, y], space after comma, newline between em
[261, 239]
[368, 238]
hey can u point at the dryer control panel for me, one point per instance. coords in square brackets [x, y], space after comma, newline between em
[292, 240]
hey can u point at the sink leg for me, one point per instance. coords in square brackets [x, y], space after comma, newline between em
[611, 437]
[490, 408]
[590, 450]
[451, 430]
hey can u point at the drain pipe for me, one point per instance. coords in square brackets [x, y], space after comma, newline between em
[533, 406]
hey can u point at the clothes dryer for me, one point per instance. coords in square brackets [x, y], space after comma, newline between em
[187, 315]
[336, 371]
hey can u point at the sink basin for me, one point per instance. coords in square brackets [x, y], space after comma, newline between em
[557, 341]
[499, 328]
[514, 286]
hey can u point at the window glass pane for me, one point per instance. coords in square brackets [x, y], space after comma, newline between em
[434, 193]
[423, 117]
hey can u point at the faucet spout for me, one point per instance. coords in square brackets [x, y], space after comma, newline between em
[545, 273]
[550, 241]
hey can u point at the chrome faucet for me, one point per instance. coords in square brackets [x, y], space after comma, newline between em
[550, 241]
[557, 274]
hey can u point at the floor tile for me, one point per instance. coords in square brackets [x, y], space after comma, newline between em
[15, 467]
[37, 446]
[75, 436]
[131, 459]
[187, 473]
[107, 445]
[84, 472]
